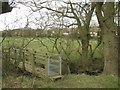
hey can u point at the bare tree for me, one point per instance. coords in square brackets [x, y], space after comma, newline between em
[105, 14]
[80, 13]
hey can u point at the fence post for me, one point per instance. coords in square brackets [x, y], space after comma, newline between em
[15, 53]
[33, 63]
[23, 59]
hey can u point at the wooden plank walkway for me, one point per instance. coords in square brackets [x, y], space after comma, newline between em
[55, 78]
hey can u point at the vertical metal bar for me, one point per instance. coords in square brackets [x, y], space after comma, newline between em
[86, 1]
[48, 64]
[60, 64]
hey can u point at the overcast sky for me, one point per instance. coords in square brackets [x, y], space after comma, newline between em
[18, 18]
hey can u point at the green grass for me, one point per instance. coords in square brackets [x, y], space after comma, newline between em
[15, 80]
[36, 45]
[69, 81]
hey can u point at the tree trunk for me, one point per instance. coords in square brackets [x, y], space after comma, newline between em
[84, 64]
[109, 38]
[119, 50]
[110, 52]
[85, 58]
[119, 35]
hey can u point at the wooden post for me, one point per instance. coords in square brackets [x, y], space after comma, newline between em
[33, 63]
[15, 53]
[23, 60]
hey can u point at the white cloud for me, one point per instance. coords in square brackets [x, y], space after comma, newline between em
[17, 18]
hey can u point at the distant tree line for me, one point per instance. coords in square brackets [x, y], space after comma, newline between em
[23, 33]
[53, 33]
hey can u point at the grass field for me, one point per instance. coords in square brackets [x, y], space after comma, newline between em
[17, 80]
[69, 81]
[68, 44]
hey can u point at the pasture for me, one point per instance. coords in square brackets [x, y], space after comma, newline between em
[69, 47]
[48, 45]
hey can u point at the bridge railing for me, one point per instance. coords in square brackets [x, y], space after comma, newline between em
[43, 64]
